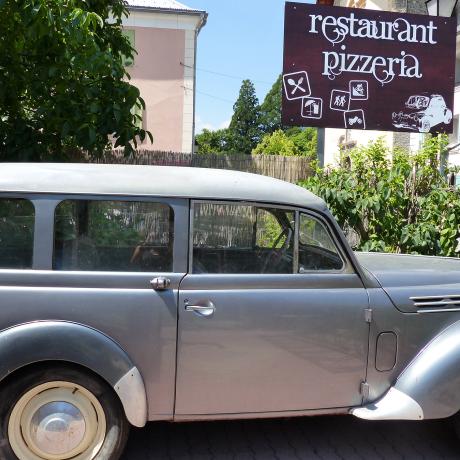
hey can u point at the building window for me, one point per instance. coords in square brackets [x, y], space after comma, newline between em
[357, 3]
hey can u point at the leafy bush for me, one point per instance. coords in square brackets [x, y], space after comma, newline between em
[295, 143]
[393, 201]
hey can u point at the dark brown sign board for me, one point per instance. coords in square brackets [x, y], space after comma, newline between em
[366, 69]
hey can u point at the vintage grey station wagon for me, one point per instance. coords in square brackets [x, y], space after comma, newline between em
[136, 293]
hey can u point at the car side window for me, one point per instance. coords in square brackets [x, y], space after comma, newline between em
[235, 238]
[317, 250]
[17, 219]
[125, 236]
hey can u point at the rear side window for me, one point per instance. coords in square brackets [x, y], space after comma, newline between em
[235, 238]
[125, 236]
[17, 218]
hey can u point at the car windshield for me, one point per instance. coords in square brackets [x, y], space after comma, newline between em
[418, 102]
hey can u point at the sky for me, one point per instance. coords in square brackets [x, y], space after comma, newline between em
[242, 39]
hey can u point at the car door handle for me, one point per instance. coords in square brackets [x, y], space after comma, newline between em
[160, 283]
[202, 310]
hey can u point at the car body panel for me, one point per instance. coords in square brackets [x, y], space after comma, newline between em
[416, 284]
[270, 346]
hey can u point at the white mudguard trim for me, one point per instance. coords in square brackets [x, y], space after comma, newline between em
[131, 391]
[395, 405]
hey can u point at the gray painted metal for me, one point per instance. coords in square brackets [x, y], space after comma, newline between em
[387, 344]
[433, 377]
[73, 343]
[164, 181]
[274, 343]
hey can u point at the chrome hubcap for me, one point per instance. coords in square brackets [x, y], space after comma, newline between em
[57, 428]
[57, 421]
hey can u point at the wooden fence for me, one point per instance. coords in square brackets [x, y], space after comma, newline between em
[290, 169]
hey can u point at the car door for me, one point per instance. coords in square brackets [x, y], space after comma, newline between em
[96, 269]
[271, 314]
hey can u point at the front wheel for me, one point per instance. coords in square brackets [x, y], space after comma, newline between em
[425, 126]
[61, 414]
[448, 116]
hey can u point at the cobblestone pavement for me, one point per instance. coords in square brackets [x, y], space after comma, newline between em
[325, 438]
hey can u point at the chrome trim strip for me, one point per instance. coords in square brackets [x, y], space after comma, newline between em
[435, 297]
[131, 391]
[439, 303]
[438, 310]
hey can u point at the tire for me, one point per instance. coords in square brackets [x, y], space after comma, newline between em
[448, 117]
[98, 426]
[425, 126]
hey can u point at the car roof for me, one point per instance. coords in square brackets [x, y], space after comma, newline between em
[168, 181]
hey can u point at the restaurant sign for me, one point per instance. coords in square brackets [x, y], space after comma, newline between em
[364, 69]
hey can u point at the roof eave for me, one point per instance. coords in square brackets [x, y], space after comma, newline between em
[150, 9]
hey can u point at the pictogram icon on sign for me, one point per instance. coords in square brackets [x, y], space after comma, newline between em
[296, 85]
[340, 100]
[359, 90]
[312, 107]
[354, 119]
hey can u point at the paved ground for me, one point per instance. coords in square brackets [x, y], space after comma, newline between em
[325, 438]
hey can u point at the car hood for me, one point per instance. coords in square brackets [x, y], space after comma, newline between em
[434, 282]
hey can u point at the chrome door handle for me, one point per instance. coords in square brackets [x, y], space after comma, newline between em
[160, 283]
[202, 310]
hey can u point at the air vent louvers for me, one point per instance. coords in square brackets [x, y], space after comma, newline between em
[435, 302]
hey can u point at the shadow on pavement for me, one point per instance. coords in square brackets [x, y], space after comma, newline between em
[325, 438]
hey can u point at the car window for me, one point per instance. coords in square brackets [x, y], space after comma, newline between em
[235, 238]
[17, 217]
[113, 236]
[317, 250]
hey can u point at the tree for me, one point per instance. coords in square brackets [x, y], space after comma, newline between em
[276, 143]
[305, 140]
[212, 141]
[244, 130]
[394, 203]
[295, 142]
[270, 110]
[62, 81]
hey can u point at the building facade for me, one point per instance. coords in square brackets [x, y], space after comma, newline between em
[337, 140]
[164, 34]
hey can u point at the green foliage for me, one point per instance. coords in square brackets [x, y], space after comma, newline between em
[244, 130]
[270, 110]
[276, 143]
[292, 143]
[212, 141]
[62, 80]
[305, 140]
[394, 203]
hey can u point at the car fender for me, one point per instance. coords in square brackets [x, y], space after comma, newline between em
[74, 343]
[428, 388]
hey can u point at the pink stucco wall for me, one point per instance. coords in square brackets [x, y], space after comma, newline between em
[159, 75]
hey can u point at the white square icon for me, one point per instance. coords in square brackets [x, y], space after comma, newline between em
[296, 85]
[340, 100]
[359, 90]
[312, 107]
[354, 119]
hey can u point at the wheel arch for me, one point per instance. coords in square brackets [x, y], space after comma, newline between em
[75, 344]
